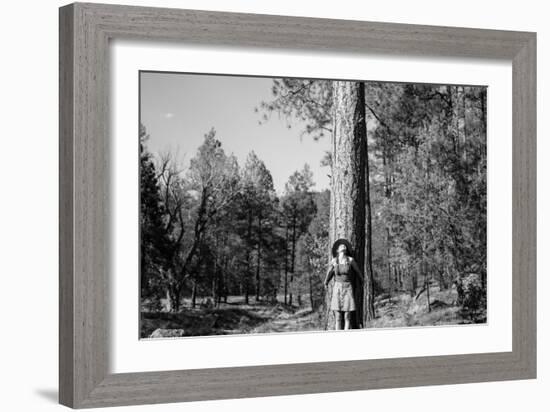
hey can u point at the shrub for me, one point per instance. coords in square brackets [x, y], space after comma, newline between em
[471, 293]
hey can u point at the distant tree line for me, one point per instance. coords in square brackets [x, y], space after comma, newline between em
[219, 229]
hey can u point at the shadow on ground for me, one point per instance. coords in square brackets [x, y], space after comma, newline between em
[200, 322]
[51, 395]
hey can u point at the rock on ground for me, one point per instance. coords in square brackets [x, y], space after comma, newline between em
[167, 333]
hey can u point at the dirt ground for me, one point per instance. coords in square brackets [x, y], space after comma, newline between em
[235, 317]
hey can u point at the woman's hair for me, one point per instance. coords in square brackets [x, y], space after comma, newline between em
[346, 253]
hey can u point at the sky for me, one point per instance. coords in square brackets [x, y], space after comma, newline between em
[178, 109]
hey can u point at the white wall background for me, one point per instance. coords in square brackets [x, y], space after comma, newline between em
[28, 208]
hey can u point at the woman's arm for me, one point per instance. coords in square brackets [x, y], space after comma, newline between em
[330, 273]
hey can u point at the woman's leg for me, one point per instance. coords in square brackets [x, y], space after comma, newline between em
[347, 319]
[339, 317]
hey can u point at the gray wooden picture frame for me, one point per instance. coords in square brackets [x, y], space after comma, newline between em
[85, 31]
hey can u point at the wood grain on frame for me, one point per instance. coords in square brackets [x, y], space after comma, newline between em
[85, 31]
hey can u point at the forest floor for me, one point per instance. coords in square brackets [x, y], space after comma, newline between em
[402, 310]
[235, 317]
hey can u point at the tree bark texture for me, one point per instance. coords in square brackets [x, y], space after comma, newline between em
[286, 264]
[368, 288]
[292, 258]
[258, 258]
[248, 258]
[347, 200]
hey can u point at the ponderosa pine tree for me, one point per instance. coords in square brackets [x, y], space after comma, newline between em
[154, 244]
[259, 203]
[338, 108]
[298, 207]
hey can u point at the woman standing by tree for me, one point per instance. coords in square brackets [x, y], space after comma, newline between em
[346, 272]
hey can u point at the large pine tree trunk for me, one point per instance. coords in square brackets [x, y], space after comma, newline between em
[258, 257]
[286, 264]
[386, 159]
[368, 288]
[461, 121]
[248, 258]
[215, 270]
[348, 208]
[292, 258]
[194, 294]
[311, 300]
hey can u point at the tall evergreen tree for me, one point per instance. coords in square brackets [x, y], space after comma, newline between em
[298, 207]
[154, 244]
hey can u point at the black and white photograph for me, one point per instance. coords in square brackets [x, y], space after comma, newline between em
[238, 206]
[272, 205]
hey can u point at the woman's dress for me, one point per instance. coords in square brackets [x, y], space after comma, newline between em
[342, 292]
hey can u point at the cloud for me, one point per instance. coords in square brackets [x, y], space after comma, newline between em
[168, 115]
